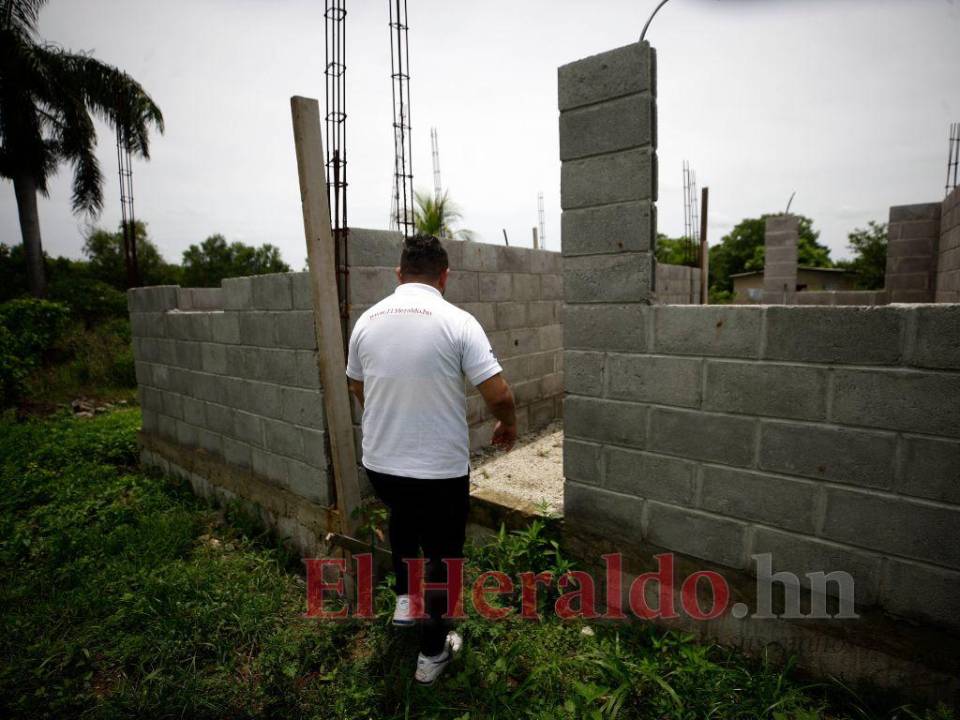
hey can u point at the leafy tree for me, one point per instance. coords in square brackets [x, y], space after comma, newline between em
[104, 250]
[869, 262]
[676, 251]
[439, 217]
[213, 260]
[47, 96]
[742, 250]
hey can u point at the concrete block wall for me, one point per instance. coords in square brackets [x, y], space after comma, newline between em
[912, 241]
[515, 293]
[677, 284]
[948, 252]
[780, 239]
[829, 437]
[231, 373]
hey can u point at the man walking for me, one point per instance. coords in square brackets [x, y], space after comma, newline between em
[408, 357]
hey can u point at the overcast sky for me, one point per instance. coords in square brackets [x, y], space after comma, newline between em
[846, 102]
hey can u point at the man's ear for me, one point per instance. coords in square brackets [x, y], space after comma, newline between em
[442, 282]
[399, 275]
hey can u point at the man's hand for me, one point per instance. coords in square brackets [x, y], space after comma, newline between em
[504, 436]
[498, 397]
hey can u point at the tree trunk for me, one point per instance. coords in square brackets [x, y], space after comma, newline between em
[26, 191]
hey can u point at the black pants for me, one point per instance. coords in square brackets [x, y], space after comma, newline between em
[428, 515]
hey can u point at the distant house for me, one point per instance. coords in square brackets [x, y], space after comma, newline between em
[748, 286]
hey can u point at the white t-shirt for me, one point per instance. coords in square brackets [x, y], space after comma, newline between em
[411, 351]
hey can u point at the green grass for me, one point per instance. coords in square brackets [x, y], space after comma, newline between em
[123, 595]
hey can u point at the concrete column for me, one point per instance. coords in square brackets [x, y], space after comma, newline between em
[913, 236]
[608, 181]
[608, 191]
[780, 259]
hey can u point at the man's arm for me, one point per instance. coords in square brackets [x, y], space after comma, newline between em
[356, 387]
[499, 399]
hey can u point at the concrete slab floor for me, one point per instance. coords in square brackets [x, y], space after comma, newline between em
[531, 473]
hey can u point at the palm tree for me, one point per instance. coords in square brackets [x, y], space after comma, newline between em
[437, 216]
[47, 97]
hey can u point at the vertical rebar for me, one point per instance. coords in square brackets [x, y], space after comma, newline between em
[543, 234]
[400, 85]
[127, 222]
[335, 160]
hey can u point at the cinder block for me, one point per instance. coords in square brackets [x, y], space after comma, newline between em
[308, 369]
[904, 582]
[551, 384]
[601, 512]
[302, 407]
[150, 398]
[371, 285]
[270, 466]
[842, 455]
[541, 364]
[213, 358]
[273, 292]
[905, 400]
[801, 555]
[495, 287]
[542, 413]
[623, 71]
[237, 453]
[194, 411]
[187, 354]
[277, 366]
[259, 328]
[655, 477]
[308, 482]
[187, 325]
[542, 313]
[787, 391]
[282, 438]
[149, 421]
[703, 536]
[511, 315]
[526, 286]
[295, 329]
[484, 314]
[609, 421]
[544, 262]
[513, 259]
[187, 434]
[219, 418]
[930, 468]
[480, 257]
[375, 248]
[314, 447]
[237, 293]
[582, 461]
[256, 397]
[157, 298]
[510, 343]
[584, 372]
[172, 405]
[622, 278]
[200, 299]
[551, 287]
[302, 291]
[653, 379]
[937, 343]
[702, 436]
[708, 330]
[462, 287]
[893, 525]
[606, 327]
[550, 338]
[767, 499]
[210, 441]
[148, 324]
[618, 124]
[225, 327]
[203, 386]
[604, 179]
[248, 428]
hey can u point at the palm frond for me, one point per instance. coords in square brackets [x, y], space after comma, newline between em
[19, 17]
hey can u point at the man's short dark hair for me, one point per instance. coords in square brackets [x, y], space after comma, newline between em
[423, 256]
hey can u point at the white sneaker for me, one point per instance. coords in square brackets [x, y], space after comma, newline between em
[403, 612]
[429, 669]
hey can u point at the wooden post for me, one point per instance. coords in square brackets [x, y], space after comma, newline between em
[323, 283]
[704, 249]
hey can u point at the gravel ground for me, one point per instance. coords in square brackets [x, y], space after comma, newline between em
[532, 471]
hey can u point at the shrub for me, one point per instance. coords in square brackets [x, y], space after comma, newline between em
[89, 300]
[29, 329]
